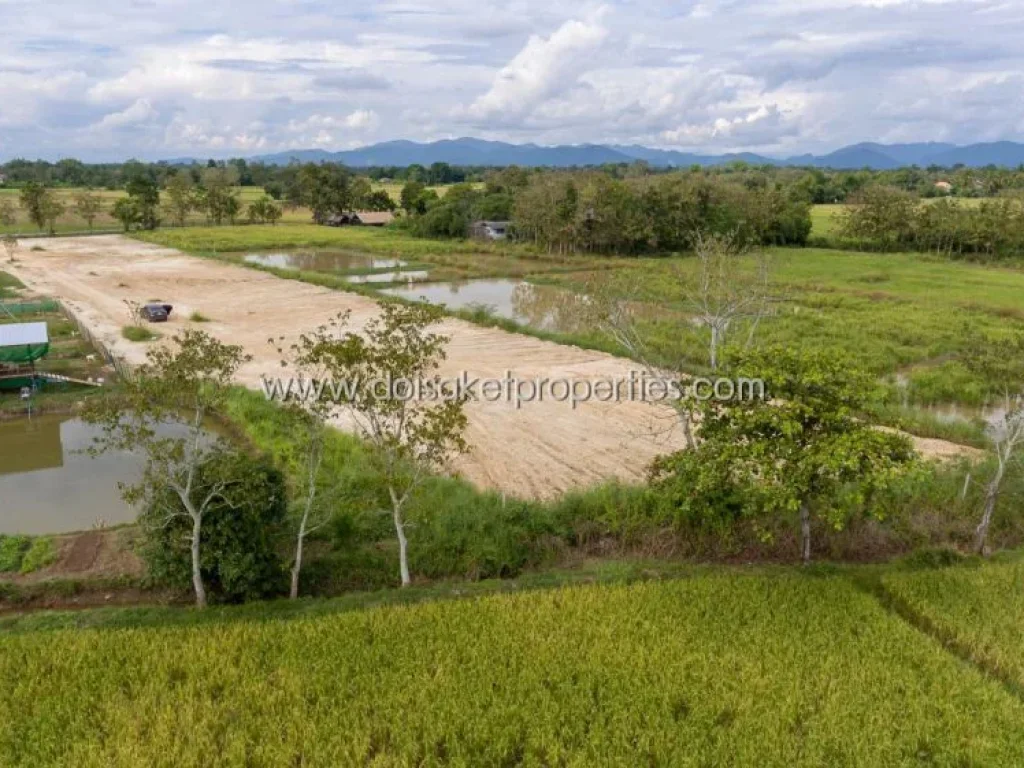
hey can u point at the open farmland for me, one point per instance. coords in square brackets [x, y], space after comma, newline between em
[724, 669]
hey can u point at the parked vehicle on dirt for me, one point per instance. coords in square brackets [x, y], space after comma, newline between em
[157, 313]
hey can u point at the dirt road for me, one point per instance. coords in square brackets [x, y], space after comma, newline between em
[537, 451]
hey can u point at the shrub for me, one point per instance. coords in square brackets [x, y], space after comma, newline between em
[40, 554]
[139, 333]
[12, 551]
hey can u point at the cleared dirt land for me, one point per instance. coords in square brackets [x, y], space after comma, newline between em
[536, 451]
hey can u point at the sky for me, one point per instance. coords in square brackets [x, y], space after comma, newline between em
[182, 78]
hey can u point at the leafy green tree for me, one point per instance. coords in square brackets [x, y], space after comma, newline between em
[881, 215]
[799, 452]
[42, 206]
[409, 439]
[187, 381]
[412, 200]
[126, 211]
[242, 526]
[181, 198]
[264, 211]
[378, 200]
[145, 195]
[360, 190]
[88, 206]
[217, 196]
[51, 210]
[326, 190]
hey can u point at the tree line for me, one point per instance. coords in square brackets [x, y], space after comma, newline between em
[815, 185]
[886, 218]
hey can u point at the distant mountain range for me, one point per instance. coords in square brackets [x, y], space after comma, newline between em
[468, 151]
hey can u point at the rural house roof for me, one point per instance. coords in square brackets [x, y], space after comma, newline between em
[376, 217]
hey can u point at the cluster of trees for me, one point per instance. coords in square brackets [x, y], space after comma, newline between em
[328, 189]
[591, 211]
[217, 517]
[431, 215]
[887, 218]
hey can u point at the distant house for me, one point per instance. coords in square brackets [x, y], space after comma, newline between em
[360, 218]
[374, 218]
[3, 179]
[944, 186]
[489, 230]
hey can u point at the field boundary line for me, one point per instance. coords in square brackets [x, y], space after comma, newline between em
[893, 603]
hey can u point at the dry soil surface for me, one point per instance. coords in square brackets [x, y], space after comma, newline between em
[537, 451]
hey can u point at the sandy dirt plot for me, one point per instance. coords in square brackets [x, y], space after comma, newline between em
[537, 451]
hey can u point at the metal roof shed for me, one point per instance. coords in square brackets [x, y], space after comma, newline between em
[23, 343]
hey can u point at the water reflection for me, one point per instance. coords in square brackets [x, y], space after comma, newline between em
[390, 277]
[47, 483]
[324, 261]
[537, 306]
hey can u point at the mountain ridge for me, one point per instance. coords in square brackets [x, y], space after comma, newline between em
[470, 151]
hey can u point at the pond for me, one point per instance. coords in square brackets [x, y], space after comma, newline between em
[323, 261]
[48, 486]
[542, 307]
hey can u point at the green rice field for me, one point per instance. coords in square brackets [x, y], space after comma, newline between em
[777, 669]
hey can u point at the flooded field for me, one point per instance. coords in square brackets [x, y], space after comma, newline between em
[48, 485]
[537, 306]
[324, 261]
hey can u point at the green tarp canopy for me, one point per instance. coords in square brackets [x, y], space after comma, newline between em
[23, 343]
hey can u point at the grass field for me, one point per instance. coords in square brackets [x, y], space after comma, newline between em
[394, 188]
[719, 669]
[893, 313]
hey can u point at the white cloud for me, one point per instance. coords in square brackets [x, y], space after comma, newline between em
[542, 69]
[362, 120]
[140, 112]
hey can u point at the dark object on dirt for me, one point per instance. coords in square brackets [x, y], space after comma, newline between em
[157, 313]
